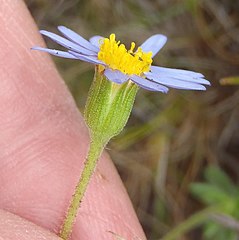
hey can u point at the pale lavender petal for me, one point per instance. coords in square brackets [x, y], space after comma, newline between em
[178, 76]
[154, 44]
[149, 85]
[75, 37]
[90, 59]
[95, 40]
[66, 43]
[115, 76]
[174, 83]
[55, 52]
[156, 69]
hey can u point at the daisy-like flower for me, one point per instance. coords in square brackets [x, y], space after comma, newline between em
[118, 74]
[120, 65]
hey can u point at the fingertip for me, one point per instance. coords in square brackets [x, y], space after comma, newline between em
[37, 107]
[14, 227]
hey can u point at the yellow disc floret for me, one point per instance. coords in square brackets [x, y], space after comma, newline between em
[117, 57]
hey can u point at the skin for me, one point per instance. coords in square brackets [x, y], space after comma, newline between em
[43, 143]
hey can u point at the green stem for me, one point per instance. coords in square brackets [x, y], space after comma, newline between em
[190, 223]
[96, 147]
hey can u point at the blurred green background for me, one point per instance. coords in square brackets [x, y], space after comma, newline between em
[179, 154]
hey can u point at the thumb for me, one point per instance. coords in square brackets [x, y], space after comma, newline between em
[13, 227]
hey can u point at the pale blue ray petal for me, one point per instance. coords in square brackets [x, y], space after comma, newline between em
[90, 59]
[179, 76]
[175, 83]
[66, 43]
[95, 40]
[75, 37]
[149, 85]
[156, 69]
[55, 52]
[115, 76]
[154, 44]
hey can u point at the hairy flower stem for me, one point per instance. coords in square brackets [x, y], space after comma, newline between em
[96, 148]
[107, 111]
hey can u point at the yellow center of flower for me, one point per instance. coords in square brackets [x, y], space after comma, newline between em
[117, 57]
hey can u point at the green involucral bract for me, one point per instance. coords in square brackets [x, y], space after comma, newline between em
[107, 111]
[108, 107]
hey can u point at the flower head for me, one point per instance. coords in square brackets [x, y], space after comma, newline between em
[116, 56]
[120, 65]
